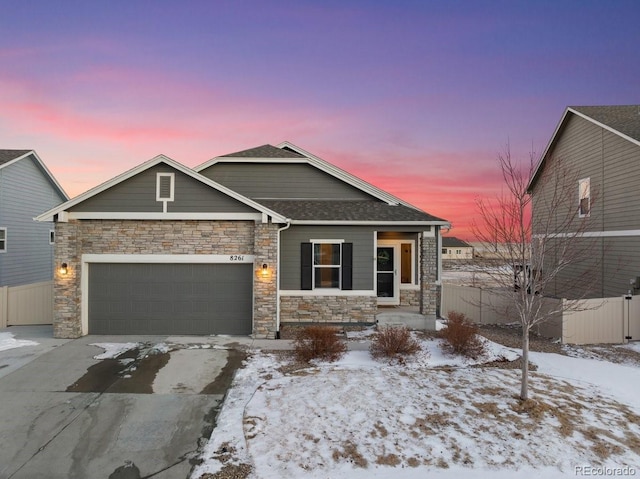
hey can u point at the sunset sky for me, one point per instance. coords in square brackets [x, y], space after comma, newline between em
[416, 97]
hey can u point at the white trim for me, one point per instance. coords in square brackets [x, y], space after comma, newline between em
[331, 241]
[370, 223]
[395, 245]
[168, 258]
[409, 287]
[326, 292]
[591, 234]
[4, 240]
[48, 216]
[172, 185]
[88, 215]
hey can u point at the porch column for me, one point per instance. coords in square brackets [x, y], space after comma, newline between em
[429, 286]
[265, 282]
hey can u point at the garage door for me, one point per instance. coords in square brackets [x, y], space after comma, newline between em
[170, 298]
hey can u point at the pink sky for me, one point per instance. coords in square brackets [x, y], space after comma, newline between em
[418, 98]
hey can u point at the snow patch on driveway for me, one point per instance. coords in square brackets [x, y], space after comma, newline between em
[8, 341]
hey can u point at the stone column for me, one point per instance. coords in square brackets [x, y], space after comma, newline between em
[429, 288]
[67, 321]
[265, 285]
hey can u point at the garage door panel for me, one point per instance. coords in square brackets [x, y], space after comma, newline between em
[170, 298]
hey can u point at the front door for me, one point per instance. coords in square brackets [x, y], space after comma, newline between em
[387, 282]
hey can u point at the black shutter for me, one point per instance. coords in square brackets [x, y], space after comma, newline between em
[347, 266]
[306, 266]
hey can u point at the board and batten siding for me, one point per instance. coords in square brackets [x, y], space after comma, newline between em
[282, 181]
[26, 192]
[138, 194]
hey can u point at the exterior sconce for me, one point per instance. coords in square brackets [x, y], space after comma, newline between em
[265, 270]
[64, 269]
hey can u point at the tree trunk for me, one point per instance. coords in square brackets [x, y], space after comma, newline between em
[524, 388]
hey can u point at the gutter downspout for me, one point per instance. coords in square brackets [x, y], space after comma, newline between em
[288, 220]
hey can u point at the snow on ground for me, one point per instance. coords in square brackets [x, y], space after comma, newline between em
[7, 341]
[434, 417]
[113, 350]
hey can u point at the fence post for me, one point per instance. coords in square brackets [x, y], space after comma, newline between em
[4, 306]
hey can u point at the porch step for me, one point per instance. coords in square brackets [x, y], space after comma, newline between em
[412, 320]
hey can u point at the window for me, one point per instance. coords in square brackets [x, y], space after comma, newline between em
[458, 251]
[165, 186]
[584, 192]
[326, 264]
[52, 237]
[444, 250]
[327, 261]
[3, 240]
[406, 263]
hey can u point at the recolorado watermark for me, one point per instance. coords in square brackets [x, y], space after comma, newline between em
[605, 471]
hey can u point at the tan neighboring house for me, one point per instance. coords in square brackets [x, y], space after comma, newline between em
[456, 249]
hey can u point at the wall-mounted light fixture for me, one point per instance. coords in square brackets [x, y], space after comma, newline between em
[265, 270]
[64, 269]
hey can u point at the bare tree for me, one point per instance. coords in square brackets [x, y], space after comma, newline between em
[535, 252]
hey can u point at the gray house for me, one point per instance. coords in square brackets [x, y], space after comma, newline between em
[239, 245]
[27, 188]
[600, 146]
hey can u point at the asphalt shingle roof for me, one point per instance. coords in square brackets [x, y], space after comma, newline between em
[452, 242]
[623, 118]
[345, 210]
[8, 155]
[265, 151]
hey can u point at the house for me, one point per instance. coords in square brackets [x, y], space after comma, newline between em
[239, 245]
[27, 188]
[600, 147]
[456, 249]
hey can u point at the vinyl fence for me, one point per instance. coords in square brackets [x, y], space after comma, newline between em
[27, 304]
[602, 320]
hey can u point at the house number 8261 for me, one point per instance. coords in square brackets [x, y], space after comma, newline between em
[236, 257]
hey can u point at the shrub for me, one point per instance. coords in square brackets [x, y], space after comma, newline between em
[393, 343]
[461, 336]
[318, 342]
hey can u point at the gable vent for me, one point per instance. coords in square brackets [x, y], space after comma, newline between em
[165, 187]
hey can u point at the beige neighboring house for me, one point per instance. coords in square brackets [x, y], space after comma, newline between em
[454, 248]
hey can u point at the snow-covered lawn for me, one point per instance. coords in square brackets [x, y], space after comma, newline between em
[435, 416]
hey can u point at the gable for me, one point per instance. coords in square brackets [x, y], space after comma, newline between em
[292, 180]
[139, 194]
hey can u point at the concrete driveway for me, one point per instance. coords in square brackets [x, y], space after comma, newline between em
[65, 414]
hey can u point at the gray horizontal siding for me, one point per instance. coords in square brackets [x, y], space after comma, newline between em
[25, 192]
[138, 194]
[281, 181]
[361, 237]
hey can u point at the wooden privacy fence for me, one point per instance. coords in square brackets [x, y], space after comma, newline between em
[27, 304]
[601, 320]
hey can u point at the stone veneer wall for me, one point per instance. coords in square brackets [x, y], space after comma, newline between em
[409, 297]
[75, 238]
[265, 297]
[328, 309]
[430, 290]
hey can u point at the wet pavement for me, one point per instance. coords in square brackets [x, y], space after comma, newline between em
[144, 413]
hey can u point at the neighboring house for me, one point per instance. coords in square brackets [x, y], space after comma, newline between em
[456, 249]
[600, 146]
[27, 188]
[239, 245]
